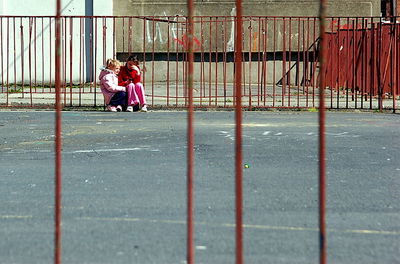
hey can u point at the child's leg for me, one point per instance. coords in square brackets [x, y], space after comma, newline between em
[118, 98]
[131, 94]
[140, 93]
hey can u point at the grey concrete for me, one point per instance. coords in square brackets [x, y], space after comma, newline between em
[250, 7]
[124, 187]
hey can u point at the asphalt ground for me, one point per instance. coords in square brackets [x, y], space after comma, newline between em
[124, 187]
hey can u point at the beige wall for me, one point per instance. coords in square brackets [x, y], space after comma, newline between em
[138, 34]
[250, 7]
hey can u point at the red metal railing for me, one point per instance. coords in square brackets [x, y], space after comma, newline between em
[58, 144]
[322, 137]
[280, 60]
[238, 133]
[190, 141]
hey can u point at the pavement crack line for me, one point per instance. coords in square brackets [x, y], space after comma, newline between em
[247, 226]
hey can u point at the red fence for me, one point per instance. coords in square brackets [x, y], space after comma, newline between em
[279, 58]
[363, 59]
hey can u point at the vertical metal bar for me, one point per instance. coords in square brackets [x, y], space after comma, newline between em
[392, 58]
[304, 60]
[15, 56]
[380, 81]
[322, 140]
[363, 72]
[224, 58]
[35, 49]
[30, 58]
[250, 51]
[58, 144]
[34, 54]
[274, 71]
[43, 61]
[258, 62]
[70, 58]
[177, 62]
[298, 62]
[50, 54]
[184, 58]
[1, 52]
[265, 60]
[144, 50]
[104, 20]
[123, 33]
[152, 61]
[355, 48]
[397, 90]
[351, 66]
[94, 79]
[290, 59]
[313, 79]
[210, 64]
[238, 135]
[283, 61]
[338, 70]
[130, 36]
[64, 57]
[22, 57]
[8, 57]
[216, 61]
[114, 41]
[91, 58]
[168, 51]
[202, 66]
[372, 65]
[395, 67]
[331, 41]
[308, 60]
[261, 58]
[348, 61]
[190, 131]
[243, 73]
[81, 56]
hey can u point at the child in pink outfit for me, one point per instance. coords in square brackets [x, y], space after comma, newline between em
[114, 95]
[130, 77]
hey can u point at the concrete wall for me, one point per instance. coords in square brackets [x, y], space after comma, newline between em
[250, 7]
[140, 35]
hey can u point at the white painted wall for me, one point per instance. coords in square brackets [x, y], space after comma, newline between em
[27, 42]
[43, 8]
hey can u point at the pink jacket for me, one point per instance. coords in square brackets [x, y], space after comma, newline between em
[109, 84]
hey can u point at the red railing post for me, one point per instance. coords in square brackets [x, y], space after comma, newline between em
[238, 134]
[57, 213]
[322, 150]
[394, 64]
[190, 135]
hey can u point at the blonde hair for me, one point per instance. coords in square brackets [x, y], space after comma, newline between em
[112, 63]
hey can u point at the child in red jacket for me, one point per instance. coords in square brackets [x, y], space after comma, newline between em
[130, 77]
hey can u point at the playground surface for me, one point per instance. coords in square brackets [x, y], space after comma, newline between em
[124, 187]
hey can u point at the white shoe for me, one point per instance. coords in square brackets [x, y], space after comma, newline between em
[144, 108]
[119, 108]
[111, 108]
[129, 109]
